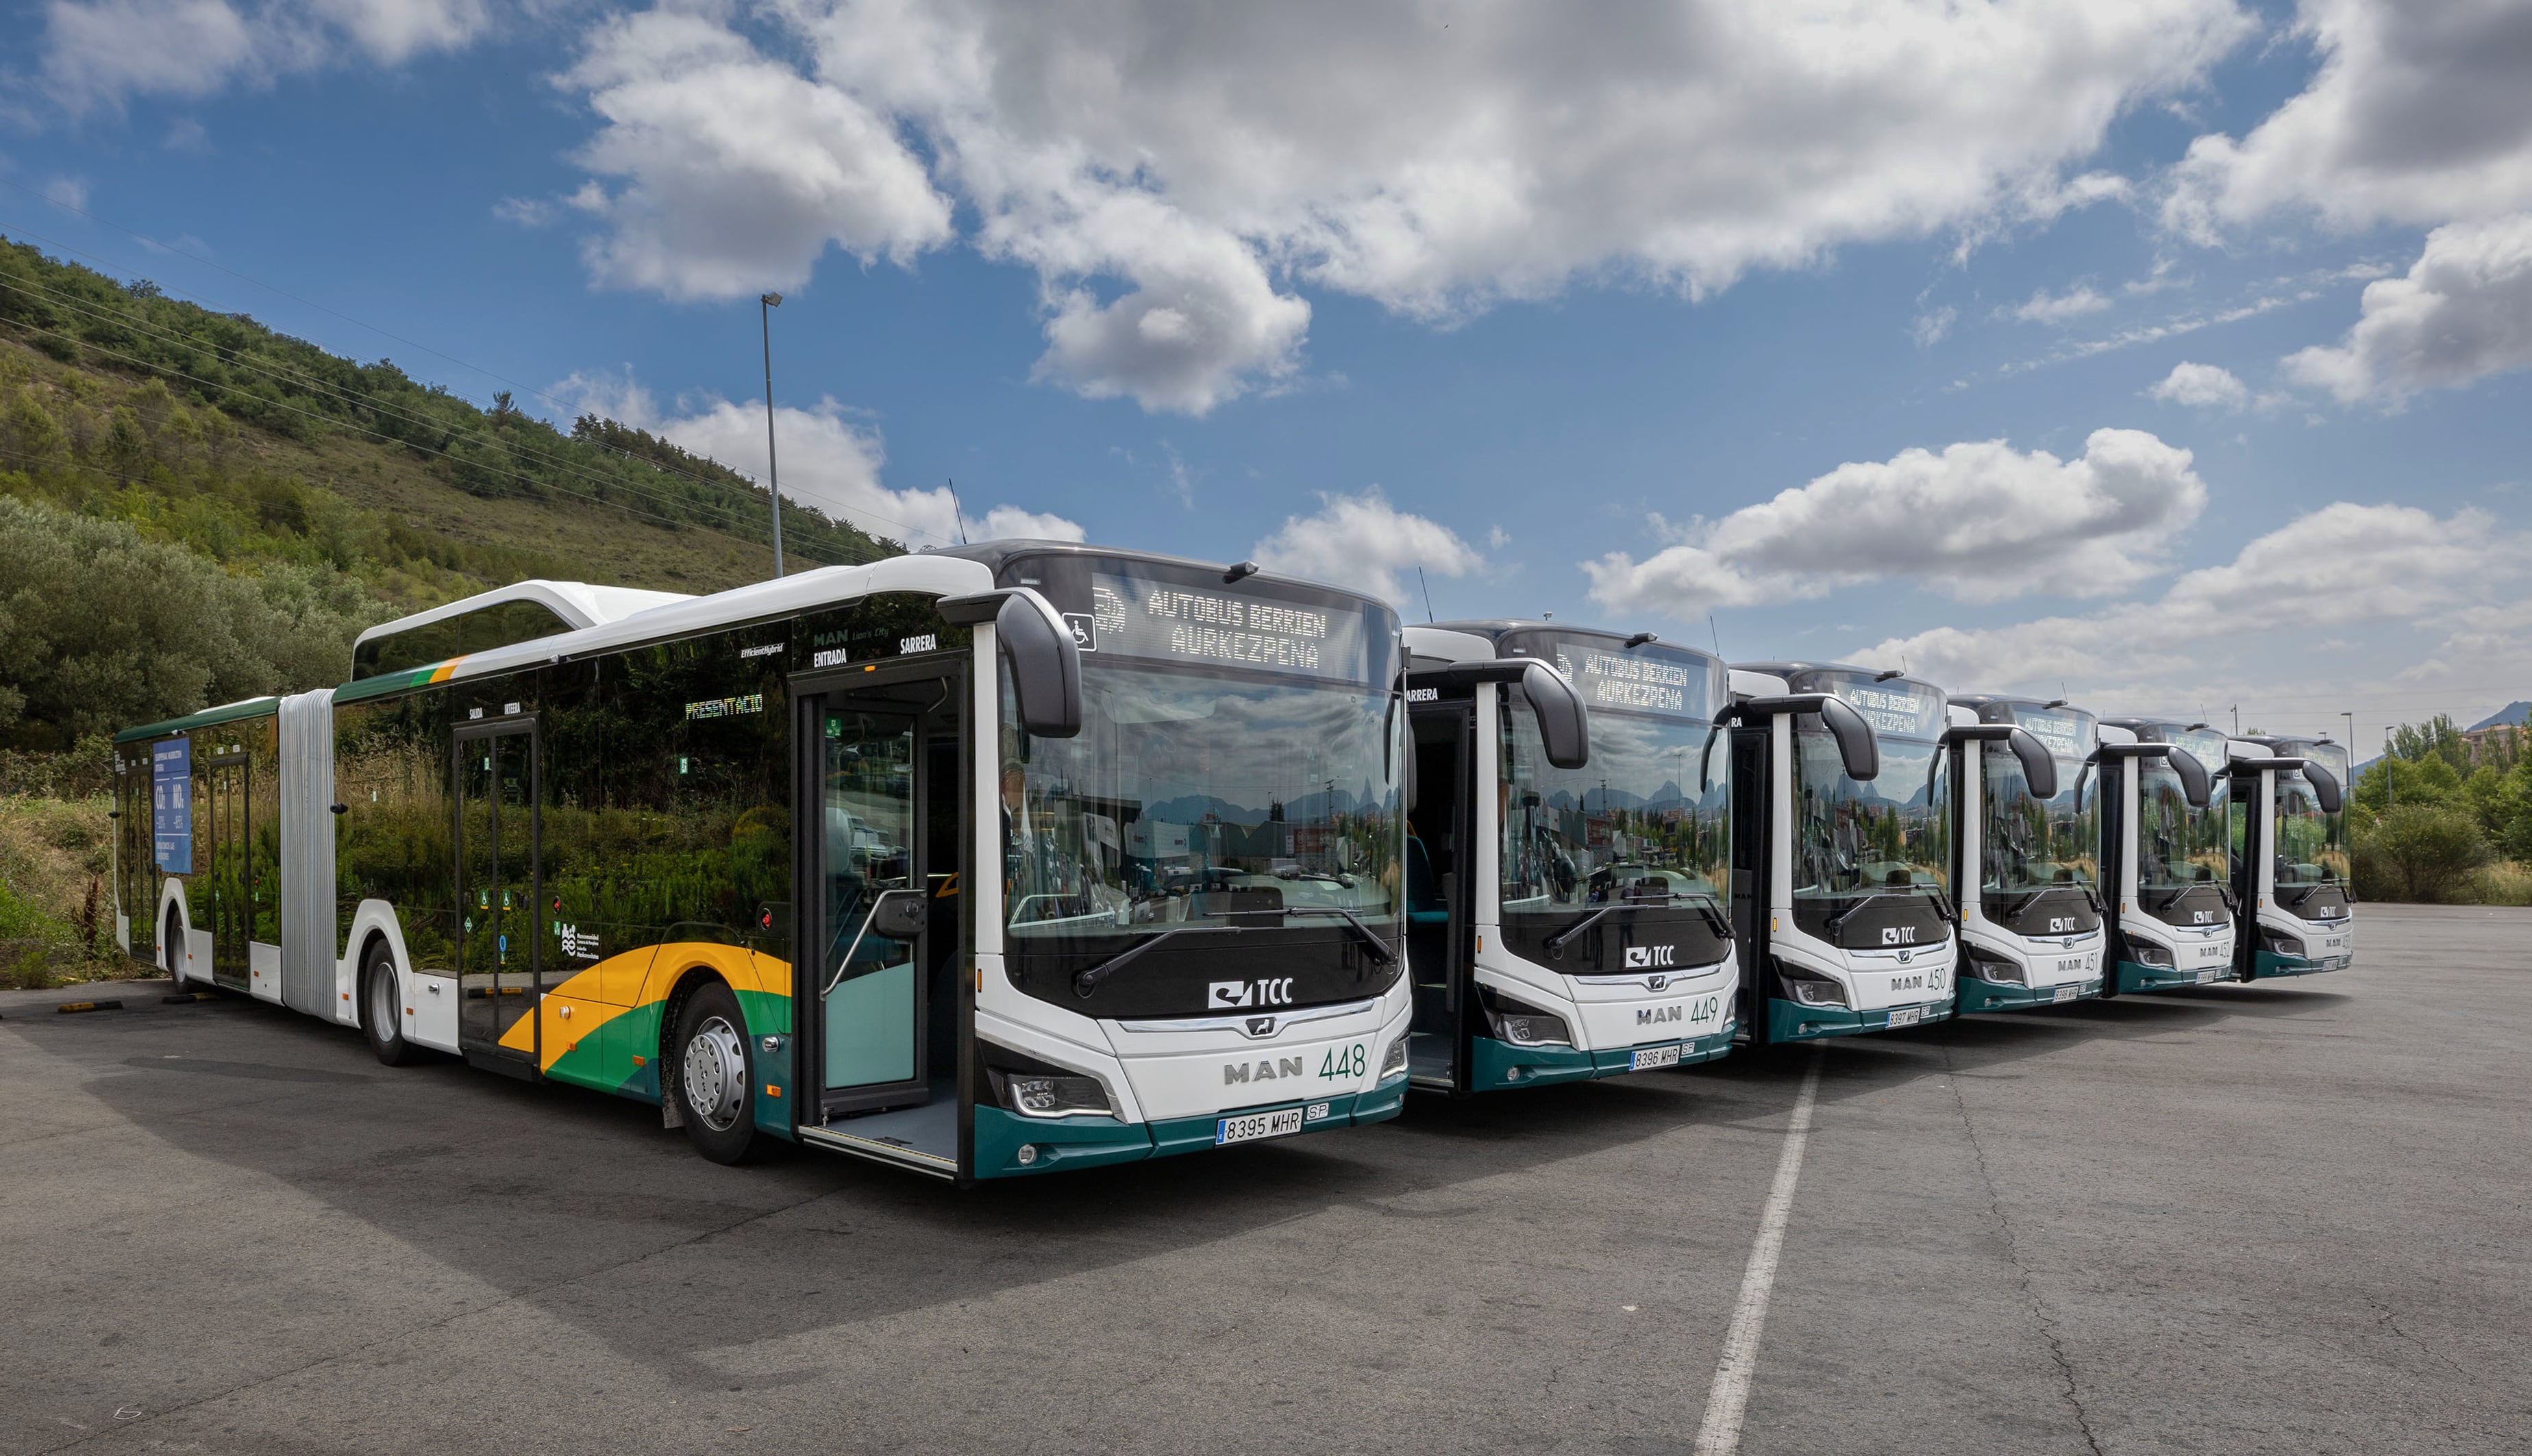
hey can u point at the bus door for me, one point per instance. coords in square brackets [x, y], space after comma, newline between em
[881, 853]
[221, 796]
[496, 895]
[1438, 895]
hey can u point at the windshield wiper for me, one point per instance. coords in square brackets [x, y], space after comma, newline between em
[1380, 950]
[1708, 907]
[1833, 921]
[1088, 981]
[1556, 944]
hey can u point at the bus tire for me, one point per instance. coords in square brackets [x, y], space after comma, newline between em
[711, 1072]
[172, 946]
[382, 1008]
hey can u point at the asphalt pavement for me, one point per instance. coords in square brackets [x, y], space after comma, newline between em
[2289, 1217]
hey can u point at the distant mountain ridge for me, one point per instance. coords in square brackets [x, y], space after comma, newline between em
[2513, 713]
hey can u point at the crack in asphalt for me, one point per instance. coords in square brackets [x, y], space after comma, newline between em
[2390, 1320]
[2040, 1314]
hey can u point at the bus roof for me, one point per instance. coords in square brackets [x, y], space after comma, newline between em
[578, 604]
[243, 708]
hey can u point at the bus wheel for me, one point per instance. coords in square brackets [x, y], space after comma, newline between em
[715, 1077]
[381, 1009]
[172, 944]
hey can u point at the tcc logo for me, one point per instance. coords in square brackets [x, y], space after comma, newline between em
[1640, 957]
[1898, 934]
[1226, 993]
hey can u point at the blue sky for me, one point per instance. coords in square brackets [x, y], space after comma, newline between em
[2025, 345]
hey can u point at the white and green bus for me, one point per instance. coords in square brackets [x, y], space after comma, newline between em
[2165, 853]
[2290, 858]
[1567, 857]
[1841, 856]
[981, 861]
[2026, 835]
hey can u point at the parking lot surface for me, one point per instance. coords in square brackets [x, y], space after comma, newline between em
[2290, 1217]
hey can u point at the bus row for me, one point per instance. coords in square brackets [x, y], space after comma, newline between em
[1029, 855]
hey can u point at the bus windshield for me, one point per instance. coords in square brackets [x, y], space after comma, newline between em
[1875, 846]
[2310, 845]
[1643, 828]
[2042, 857]
[2183, 854]
[1223, 827]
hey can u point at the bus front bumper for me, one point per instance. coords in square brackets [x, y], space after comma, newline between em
[2268, 963]
[1092, 1142]
[1495, 1065]
[1976, 995]
[1791, 1021]
[2133, 977]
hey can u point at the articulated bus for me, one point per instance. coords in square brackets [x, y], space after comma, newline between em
[2166, 858]
[2027, 833]
[1841, 859]
[2290, 861]
[1566, 856]
[981, 861]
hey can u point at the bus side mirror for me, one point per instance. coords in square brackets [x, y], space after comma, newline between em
[2194, 784]
[2039, 768]
[1564, 726]
[1046, 662]
[2325, 786]
[1859, 752]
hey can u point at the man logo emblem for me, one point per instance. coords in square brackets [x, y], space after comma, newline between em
[1906, 956]
[1261, 1026]
[1655, 982]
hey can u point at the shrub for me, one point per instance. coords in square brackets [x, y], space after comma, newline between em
[2424, 853]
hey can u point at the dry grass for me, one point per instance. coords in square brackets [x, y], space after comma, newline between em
[56, 901]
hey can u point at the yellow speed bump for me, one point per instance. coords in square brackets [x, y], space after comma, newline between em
[68, 1007]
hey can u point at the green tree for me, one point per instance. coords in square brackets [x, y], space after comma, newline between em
[2422, 852]
[2392, 780]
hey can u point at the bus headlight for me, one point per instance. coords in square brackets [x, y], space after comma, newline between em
[1987, 966]
[2146, 953]
[1394, 1060]
[1810, 991]
[1526, 1027]
[2280, 944]
[1031, 1094]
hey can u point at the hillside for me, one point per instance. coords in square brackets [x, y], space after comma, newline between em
[205, 458]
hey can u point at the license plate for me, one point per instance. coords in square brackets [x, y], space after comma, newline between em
[1250, 1126]
[1648, 1057]
[2206, 978]
[2065, 993]
[1907, 1016]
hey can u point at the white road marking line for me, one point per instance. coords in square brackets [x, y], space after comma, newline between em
[1729, 1399]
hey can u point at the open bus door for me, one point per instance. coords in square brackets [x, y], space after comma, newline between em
[881, 849]
[1439, 954]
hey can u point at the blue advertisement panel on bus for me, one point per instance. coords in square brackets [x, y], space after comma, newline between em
[171, 804]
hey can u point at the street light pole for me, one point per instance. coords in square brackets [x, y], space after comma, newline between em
[766, 305]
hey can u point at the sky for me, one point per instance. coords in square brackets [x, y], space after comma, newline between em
[2167, 356]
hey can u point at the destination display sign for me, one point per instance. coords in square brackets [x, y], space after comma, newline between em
[2067, 734]
[1646, 679]
[1903, 708]
[1136, 617]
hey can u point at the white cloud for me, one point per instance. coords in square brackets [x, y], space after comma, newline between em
[2064, 308]
[827, 462]
[100, 53]
[67, 192]
[1979, 521]
[2419, 113]
[2463, 311]
[1365, 542]
[1172, 174]
[736, 172]
[2343, 564]
[2202, 387]
[1930, 328]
